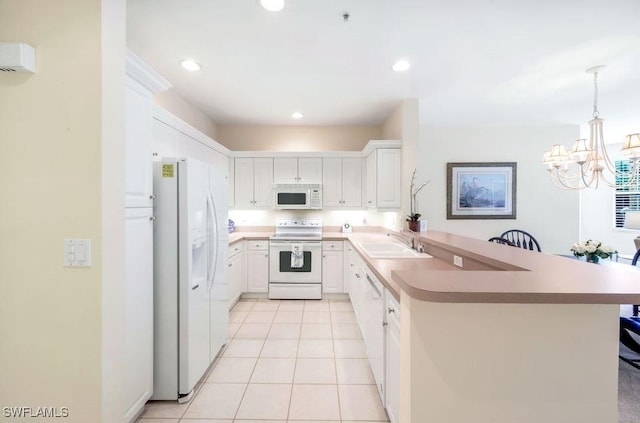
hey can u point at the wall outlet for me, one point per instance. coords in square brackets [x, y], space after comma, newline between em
[457, 261]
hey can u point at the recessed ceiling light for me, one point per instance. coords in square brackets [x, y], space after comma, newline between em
[401, 66]
[190, 65]
[272, 5]
[297, 115]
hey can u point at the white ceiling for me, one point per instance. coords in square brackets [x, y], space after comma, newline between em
[493, 62]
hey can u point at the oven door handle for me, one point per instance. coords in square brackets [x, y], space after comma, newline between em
[307, 244]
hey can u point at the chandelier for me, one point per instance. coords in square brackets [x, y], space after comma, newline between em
[588, 162]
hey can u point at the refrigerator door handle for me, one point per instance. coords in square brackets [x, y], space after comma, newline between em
[213, 243]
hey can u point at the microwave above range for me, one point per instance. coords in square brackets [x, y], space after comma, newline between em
[297, 196]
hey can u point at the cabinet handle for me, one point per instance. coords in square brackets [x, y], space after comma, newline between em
[385, 324]
[155, 154]
[152, 197]
[230, 264]
[369, 201]
[357, 276]
[351, 264]
[324, 256]
[152, 218]
[266, 255]
[391, 310]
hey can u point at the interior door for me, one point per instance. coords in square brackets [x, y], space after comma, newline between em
[193, 292]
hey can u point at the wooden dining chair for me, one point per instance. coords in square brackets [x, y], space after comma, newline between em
[522, 239]
[503, 241]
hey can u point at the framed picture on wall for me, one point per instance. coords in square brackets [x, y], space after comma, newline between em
[481, 190]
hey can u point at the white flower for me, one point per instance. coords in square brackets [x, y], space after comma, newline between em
[608, 249]
[590, 248]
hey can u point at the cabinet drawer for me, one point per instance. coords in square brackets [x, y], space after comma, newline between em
[257, 245]
[332, 245]
[236, 249]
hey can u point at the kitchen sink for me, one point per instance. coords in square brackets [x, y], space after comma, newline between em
[380, 250]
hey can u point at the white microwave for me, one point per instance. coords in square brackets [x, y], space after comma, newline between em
[297, 196]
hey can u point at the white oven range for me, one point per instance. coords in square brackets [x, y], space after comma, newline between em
[295, 260]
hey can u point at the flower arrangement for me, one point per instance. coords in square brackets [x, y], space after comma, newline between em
[413, 192]
[593, 249]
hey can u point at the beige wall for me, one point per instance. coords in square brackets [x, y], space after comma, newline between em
[176, 105]
[296, 138]
[51, 189]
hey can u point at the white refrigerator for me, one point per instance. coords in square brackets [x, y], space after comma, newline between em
[191, 321]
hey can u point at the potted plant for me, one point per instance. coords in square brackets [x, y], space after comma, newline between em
[414, 216]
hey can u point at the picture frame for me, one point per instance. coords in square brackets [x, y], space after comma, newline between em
[481, 190]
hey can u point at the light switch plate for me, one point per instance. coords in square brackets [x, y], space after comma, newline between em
[77, 252]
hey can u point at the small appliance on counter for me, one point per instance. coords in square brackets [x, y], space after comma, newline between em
[346, 228]
[295, 260]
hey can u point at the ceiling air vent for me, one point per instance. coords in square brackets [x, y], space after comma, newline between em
[17, 57]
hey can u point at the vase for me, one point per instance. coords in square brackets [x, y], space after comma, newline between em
[593, 258]
[413, 225]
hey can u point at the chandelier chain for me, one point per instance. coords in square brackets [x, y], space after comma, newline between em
[596, 113]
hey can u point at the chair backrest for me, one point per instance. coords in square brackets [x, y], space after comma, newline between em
[499, 240]
[636, 256]
[522, 239]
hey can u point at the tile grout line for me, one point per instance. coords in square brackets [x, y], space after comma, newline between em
[252, 371]
[335, 363]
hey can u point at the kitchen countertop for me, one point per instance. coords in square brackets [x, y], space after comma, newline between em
[492, 273]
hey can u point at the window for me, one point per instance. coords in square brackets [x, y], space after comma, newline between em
[627, 196]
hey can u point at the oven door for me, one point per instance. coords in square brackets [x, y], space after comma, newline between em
[280, 269]
[292, 198]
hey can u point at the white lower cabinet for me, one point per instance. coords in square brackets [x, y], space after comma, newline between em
[236, 272]
[392, 359]
[332, 266]
[378, 315]
[367, 298]
[258, 266]
[138, 309]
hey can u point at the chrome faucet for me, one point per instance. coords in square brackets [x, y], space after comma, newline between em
[408, 241]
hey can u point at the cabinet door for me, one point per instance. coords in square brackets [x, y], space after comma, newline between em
[235, 275]
[310, 170]
[164, 139]
[332, 271]
[258, 271]
[262, 182]
[331, 182]
[285, 170]
[138, 309]
[138, 147]
[232, 183]
[371, 185]
[243, 182]
[352, 182]
[393, 372]
[388, 195]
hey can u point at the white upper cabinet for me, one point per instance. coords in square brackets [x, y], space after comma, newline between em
[253, 182]
[342, 182]
[141, 84]
[294, 170]
[383, 188]
[138, 154]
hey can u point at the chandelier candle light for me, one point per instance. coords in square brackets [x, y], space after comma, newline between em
[591, 156]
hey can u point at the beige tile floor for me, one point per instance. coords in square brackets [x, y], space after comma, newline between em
[287, 362]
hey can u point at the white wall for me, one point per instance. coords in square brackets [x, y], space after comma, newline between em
[550, 214]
